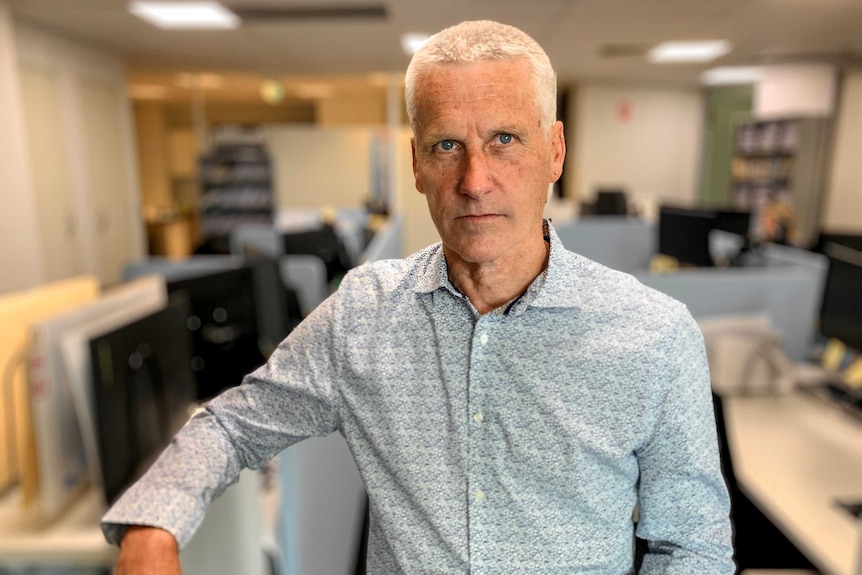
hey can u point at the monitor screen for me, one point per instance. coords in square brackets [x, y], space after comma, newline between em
[841, 310]
[143, 387]
[683, 234]
[322, 242]
[733, 221]
[223, 322]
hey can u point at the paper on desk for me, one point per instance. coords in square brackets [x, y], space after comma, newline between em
[853, 374]
[744, 355]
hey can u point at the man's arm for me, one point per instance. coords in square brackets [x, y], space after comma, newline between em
[684, 508]
[148, 551]
[288, 399]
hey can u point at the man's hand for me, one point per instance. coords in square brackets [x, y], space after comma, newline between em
[148, 551]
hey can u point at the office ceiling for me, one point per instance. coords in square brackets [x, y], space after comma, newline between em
[586, 39]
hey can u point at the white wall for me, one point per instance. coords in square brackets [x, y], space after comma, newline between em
[419, 230]
[316, 166]
[20, 264]
[796, 90]
[843, 207]
[646, 140]
[98, 205]
[331, 166]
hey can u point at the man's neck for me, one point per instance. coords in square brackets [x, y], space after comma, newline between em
[490, 285]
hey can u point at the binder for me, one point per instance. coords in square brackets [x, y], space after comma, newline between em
[18, 312]
[62, 412]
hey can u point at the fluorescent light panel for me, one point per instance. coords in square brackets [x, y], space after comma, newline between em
[729, 75]
[689, 51]
[185, 15]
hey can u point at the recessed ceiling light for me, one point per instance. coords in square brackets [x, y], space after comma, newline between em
[412, 41]
[689, 51]
[724, 75]
[272, 91]
[185, 15]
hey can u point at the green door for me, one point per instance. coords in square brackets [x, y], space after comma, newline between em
[723, 106]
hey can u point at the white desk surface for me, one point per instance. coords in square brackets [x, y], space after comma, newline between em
[73, 539]
[794, 456]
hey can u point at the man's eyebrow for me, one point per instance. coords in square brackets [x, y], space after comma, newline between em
[432, 138]
[509, 129]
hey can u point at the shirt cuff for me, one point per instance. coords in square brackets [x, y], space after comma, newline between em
[174, 511]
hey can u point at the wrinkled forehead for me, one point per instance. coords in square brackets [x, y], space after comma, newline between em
[453, 71]
[475, 86]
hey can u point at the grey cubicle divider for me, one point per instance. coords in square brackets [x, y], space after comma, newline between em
[322, 496]
[305, 274]
[229, 538]
[262, 238]
[387, 243]
[621, 243]
[784, 282]
[321, 507]
[789, 295]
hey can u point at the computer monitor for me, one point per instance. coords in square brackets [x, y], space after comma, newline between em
[683, 233]
[143, 387]
[322, 242]
[841, 309]
[733, 221]
[224, 326]
[611, 203]
[278, 310]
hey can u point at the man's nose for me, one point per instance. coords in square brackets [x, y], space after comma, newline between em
[476, 177]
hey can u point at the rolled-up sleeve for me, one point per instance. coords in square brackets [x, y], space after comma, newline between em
[290, 398]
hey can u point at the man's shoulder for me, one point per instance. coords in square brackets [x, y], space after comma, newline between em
[392, 275]
[603, 289]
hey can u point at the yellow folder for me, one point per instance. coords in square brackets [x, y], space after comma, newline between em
[18, 311]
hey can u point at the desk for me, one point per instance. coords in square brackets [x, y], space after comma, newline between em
[793, 457]
[227, 542]
[74, 539]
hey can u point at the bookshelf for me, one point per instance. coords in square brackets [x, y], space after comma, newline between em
[778, 172]
[236, 189]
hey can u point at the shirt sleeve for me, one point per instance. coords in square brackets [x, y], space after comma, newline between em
[288, 399]
[684, 508]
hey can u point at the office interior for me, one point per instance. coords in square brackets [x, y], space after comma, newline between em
[112, 129]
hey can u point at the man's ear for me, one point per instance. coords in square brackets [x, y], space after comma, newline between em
[415, 171]
[558, 151]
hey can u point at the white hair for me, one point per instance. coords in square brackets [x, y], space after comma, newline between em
[484, 40]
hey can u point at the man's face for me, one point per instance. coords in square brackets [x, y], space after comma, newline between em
[482, 160]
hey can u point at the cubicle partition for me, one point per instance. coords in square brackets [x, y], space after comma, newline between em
[622, 243]
[322, 497]
[782, 282]
[387, 242]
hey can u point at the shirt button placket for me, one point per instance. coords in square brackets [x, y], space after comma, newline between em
[480, 369]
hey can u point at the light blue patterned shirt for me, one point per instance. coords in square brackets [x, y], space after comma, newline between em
[512, 442]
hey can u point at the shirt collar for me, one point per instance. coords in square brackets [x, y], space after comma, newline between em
[557, 286]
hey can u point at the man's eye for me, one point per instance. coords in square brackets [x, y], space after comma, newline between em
[446, 145]
[505, 138]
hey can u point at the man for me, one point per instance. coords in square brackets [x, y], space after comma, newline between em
[507, 402]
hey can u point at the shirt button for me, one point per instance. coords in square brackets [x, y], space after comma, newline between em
[478, 417]
[483, 338]
[479, 495]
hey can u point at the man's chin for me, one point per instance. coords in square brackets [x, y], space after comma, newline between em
[473, 252]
